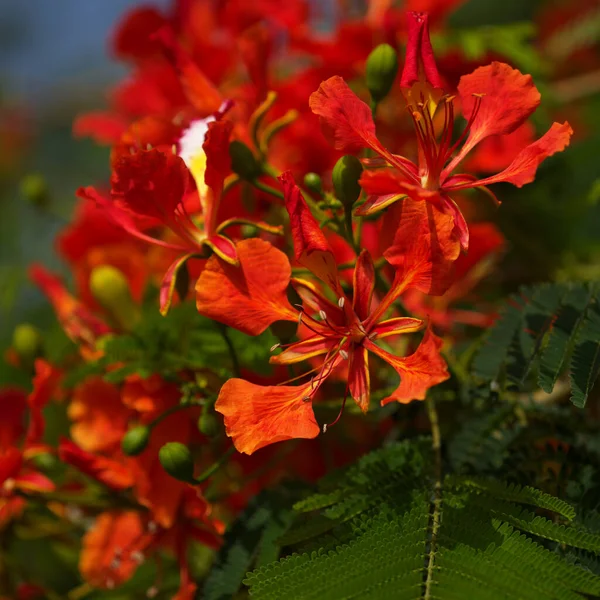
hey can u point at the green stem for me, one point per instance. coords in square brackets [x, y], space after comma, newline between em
[232, 353]
[215, 466]
[436, 446]
[349, 231]
[263, 187]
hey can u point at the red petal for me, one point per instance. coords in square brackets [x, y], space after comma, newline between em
[358, 377]
[102, 127]
[418, 372]
[313, 346]
[256, 416]
[523, 168]
[150, 183]
[218, 166]
[34, 482]
[224, 248]
[256, 45]
[11, 461]
[12, 415]
[364, 285]
[311, 248]
[133, 38]
[45, 382]
[167, 286]
[111, 473]
[419, 62]
[396, 326]
[345, 119]
[508, 99]
[201, 92]
[249, 297]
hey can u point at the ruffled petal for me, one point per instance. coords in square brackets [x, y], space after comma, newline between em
[364, 285]
[256, 416]
[395, 326]
[249, 297]
[303, 350]
[358, 377]
[169, 282]
[418, 372]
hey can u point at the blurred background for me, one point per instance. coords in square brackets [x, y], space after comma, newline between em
[55, 63]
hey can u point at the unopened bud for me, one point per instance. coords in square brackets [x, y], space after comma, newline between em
[35, 189]
[208, 423]
[111, 289]
[27, 342]
[243, 162]
[176, 460]
[135, 440]
[382, 67]
[345, 176]
[313, 182]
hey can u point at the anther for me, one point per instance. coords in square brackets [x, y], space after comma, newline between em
[115, 563]
[110, 584]
[137, 557]
[148, 146]
[152, 527]
[341, 302]
[325, 428]
[274, 347]
[323, 315]
[152, 592]
[344, 354]
[306, 399]
[174, 149]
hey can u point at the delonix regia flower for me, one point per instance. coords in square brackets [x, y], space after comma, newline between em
[495, 100]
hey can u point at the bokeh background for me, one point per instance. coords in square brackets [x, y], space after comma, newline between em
[55, 63]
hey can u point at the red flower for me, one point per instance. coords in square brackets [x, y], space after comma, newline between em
[495, 99]
[344, 331]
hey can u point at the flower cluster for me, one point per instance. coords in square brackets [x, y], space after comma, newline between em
[248, 178]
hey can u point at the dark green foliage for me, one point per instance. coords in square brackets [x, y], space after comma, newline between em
[545, 327]
[374, 538]
[250, 542]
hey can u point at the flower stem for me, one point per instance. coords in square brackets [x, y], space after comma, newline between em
[267, 189]
[215, 466]
[232, 353]
[436, 446]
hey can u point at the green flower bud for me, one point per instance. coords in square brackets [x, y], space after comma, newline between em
[208, 423]
[345, 176]
[35, 189]
[176, 460]
[382, 66]
[45, 461]
[313, 182]
[243, 162]
[27, 342]
[111, 289]
[134, 442]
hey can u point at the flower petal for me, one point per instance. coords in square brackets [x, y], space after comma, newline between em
[395, 326]
[102, 127]
[303, 350]
[311, 248]
[523, 168]
[45, 383]
[169, 282]
[364, 285]
[314, 299]
[418, 372]
[112, 473]
[223, 247]
[506, 99]
[358, 377]
[256, 416]
[249, 297]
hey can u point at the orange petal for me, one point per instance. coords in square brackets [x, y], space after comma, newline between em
[345, 119]
[364, 285]
[256, 416]
[303, 350]
[311, 248]
[249, 297]
[111, 534]
[508, 98]
[111, 473]
[418, 372]
[358, 377]
[395, 326]
[523, 168]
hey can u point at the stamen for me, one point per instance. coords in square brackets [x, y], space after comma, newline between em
[326, 426]
[341, 302]
[152, 527]
[137, 557]
[152, 592]
[174, 149]
[148, 146]
[344, 354]
[323, 315]
[274, 347]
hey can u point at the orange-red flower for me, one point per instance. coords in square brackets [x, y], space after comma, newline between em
[343, 330]
[495, 100]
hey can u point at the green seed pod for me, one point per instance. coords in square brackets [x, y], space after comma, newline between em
[313, 182]
[27, 342]
[134, 442]
[243, 162]
[176, 460]
[209, 423]
[35, 189]
[382, 66]
[345, 176]
[111, 289]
